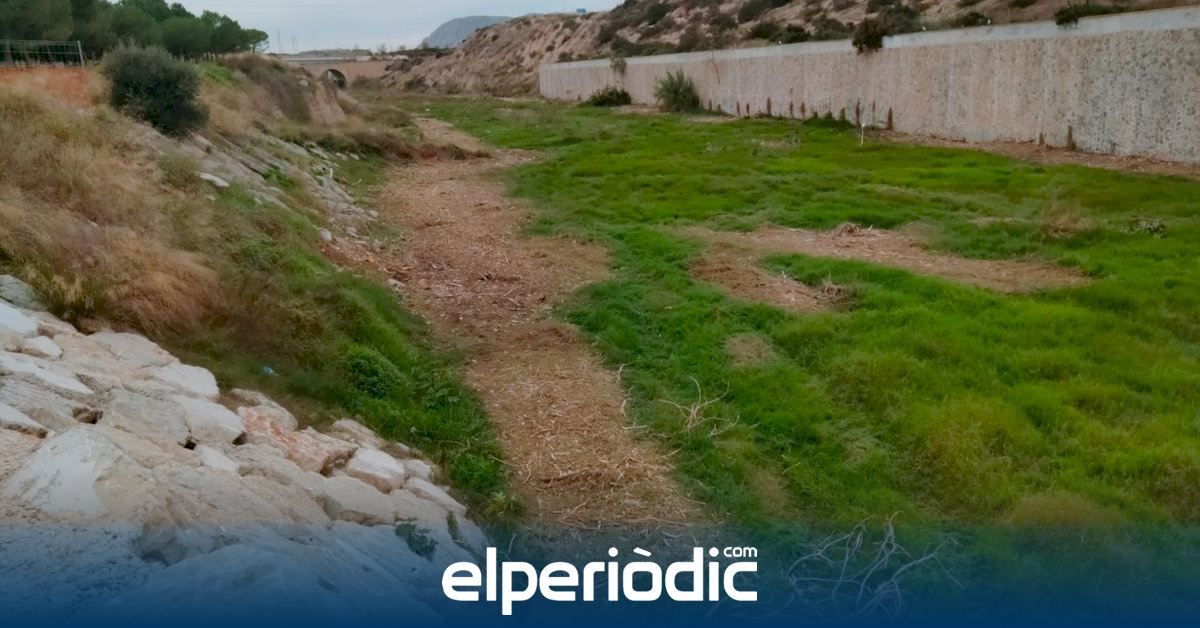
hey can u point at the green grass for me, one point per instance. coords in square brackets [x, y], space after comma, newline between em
[333, 343]
[950, 404]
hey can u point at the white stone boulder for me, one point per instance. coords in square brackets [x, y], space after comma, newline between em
[90, 472]
[355, 432]
[410, 507]
[50, 325]
[43, 373]
[15, 448]
[418, 468]
[208, 422]
[276, 414]
[18, 293]
[146, 416]
[214, 459]
[133, 350]
[43, 405]
[269, 462]
[41, 347]
[13, 419]
[309, 449]
[213, 179]
[435, 494]
[350, 499]
[189, 379]
[377, 469]
[16, 322]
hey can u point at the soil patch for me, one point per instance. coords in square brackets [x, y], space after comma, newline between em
[891, 248]
[735, 269]
[483, 285]
[749, 350]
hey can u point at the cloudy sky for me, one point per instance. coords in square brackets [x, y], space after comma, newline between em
[368, 23]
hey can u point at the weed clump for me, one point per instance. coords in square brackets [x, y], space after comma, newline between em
[869, 35]
[151, 85]
[676, 92]
[1070, 14]
[610, 96]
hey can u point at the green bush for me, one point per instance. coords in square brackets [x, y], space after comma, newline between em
[972, 18]
[1021, 4]
[1070, 14]
[150, 84]
[869, 35]
[610, 96]
[677, 92]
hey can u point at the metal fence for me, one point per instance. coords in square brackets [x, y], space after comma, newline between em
[32, 52]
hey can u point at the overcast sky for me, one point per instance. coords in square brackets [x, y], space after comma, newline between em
[325, 24]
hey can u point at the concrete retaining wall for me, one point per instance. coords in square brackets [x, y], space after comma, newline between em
[1125, 84]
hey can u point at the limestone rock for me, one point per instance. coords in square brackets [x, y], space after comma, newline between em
[274, 413]
[209, 423]
[377, 469]
[418, 468]
[18, 293]
[216, 181]
[309, 449]
[13, 419]
[50, 325]
[410, 507]
[52, 410]
[355, 432]
[134, 350]
[91, 472]
[350, 499]
[148, 417]
[41, 347]
[94, 364]
[269, 463]
[192, 380]
[43, 373]
[214, 459]
[15, 448]
[16, 322]
[435, 494]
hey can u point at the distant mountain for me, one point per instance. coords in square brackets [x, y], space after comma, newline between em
[455, 31]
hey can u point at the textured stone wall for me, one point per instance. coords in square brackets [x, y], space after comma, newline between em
[1126, 84]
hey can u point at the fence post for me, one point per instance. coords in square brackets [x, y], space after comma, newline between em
[79, 46]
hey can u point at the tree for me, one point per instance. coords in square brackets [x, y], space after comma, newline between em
[186, 36]
[254, 39]
[35, 19]
[133, 25]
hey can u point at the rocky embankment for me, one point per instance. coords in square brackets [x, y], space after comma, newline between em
[128, 477]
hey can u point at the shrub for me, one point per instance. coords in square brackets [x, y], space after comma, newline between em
[755, 8]
[1070, 14]
[869, 35]
[610, 96]
[150, 84]
[677, 92]
[1021, 4]
[973, 18]
[618, 64]
[826, 28]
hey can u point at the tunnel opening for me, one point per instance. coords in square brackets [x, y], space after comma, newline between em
[336, 77]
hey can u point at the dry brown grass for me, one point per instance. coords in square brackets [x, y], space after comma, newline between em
[82, 221]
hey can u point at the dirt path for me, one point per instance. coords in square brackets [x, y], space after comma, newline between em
[732, 262]
[481, 284]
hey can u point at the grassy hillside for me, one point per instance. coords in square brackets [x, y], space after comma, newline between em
[109, 221]
[503, 59]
